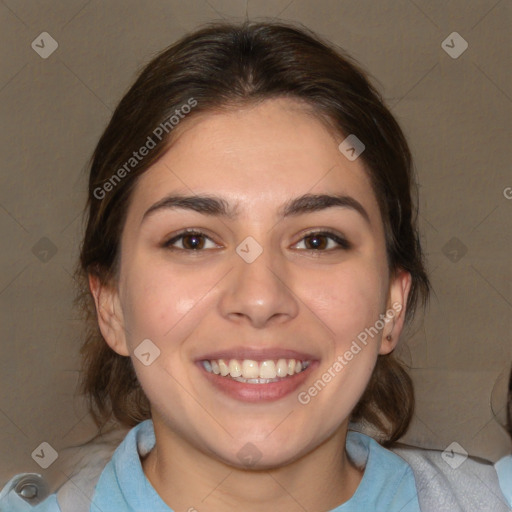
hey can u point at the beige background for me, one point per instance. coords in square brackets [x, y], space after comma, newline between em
[456, 112]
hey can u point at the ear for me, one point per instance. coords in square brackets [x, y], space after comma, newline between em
[109, 314]
[399, 288]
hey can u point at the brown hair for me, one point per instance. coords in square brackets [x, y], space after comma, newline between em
[219, 67]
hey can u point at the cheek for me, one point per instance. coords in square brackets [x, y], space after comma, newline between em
[346, 299]
[146, 306]
[165, 306]
[163, 303]
[348, 302]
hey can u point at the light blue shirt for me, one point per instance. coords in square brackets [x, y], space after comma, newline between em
[504, 470]
[387, 485]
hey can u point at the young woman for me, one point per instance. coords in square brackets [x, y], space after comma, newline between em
[252, 257]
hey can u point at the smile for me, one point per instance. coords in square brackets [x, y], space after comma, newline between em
[257, 380]
[255, 372]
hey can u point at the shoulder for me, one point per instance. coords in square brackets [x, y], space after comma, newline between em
[365, 451]
[123, 485]
[85, 467]
[388, 481]
[504, 469]
[450, 482]
[89, 463]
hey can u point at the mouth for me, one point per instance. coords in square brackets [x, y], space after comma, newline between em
[251, 371]
[259, 377]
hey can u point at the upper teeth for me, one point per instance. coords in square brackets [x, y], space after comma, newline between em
[250, 369]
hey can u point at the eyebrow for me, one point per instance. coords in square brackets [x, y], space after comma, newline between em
[218, 207]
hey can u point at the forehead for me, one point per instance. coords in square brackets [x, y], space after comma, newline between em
[256, 157]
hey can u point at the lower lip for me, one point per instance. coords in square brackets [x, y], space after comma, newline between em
[258, 392]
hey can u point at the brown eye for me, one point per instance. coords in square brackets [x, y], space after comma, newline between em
[316, 241]
[193, 241]
[323, 241]
[190, 241]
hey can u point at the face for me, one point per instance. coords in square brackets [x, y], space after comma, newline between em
[253, 246]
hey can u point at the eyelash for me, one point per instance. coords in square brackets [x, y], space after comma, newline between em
[342, 242]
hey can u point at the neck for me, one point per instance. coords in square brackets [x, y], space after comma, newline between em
[188, 479]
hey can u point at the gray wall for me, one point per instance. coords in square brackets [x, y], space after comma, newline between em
[456, 112]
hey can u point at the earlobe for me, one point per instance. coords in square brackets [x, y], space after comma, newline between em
[399, 289]
[109, 315]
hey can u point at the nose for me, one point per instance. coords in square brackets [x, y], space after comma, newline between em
[259, 293]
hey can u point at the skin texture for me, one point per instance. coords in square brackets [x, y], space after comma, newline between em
[192, 302]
